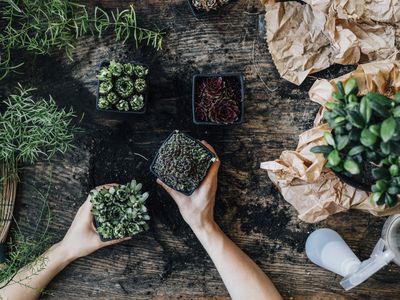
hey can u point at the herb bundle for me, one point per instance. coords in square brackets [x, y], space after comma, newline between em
[365, 140]
[119, 211]
[42, 26]
[208, 5]
[122, 86]
[182, 163]
[218, 100]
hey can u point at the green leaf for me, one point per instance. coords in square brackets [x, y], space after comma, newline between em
[382, 111]
[340, 87]
[365, 109]
[380, 99]
[382, 185]
[342, 141]
[331, 105]
[397, 97]
[393, 190]
[368, 138]
[396, 111]
[356, 150]
[351, 166]
[356, 119]
[388, 128]
[385, 148]
[380, 173]
[322, 149]
[376, 197]
[351, 86]
[329, 139]
[394, 170]
[334, 158]
[375, 129]
[390, 200]
[354, 134]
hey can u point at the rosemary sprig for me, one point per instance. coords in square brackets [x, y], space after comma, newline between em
[41, 26]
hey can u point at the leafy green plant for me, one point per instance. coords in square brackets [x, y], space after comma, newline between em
[121, 86]
[42, 26]
[365, 136]
[182, 162]
[119, 211]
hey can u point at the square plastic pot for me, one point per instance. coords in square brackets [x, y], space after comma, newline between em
[116, 112]
[239, 77]
[187, 193]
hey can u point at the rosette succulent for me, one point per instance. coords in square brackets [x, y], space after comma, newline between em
[208, 5]
[182, 162]
[218, 100]
[120, 211]
[364, 144]
[122, 87]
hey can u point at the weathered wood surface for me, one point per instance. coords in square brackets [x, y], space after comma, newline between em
[167, 262]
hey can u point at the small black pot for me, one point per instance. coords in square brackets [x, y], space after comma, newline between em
[361, 182]
[239, 77]
[116, 112]
[187, 193]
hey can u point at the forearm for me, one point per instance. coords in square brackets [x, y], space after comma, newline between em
[242, 277]
[31, 280]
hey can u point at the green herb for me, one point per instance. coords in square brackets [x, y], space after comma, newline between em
[182, 163]
[119, 211]
[365, 131]
[121, 86]
[42, 26]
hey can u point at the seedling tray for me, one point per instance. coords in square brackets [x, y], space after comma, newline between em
[119, 112]
[238, 76]
[187, 193]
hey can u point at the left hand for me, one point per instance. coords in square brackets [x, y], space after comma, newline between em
[82, 238]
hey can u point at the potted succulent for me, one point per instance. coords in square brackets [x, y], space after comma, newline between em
[119, 211]
[218, 99]
[364, 145]
[122, 87]
[182, 162]
[201, 7]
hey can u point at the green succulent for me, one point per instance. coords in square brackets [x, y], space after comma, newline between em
[137, 102]
[112, 98]
[123, 105]
[103, 103]
[124, 86]
[120, 211]
[115, 68]
[365, 130]
[104, 74]
[128, 69]
[105, 87]
[140, 71]
[140, 85]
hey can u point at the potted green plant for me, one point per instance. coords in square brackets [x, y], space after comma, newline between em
[182, 162]
[119, 211]
[364, 145]
[201, 7]
[218, 99]
[122, 88]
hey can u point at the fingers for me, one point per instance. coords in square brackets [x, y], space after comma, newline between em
[209, 147]
[105, 186]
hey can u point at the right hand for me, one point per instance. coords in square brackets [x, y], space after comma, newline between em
[198, 209]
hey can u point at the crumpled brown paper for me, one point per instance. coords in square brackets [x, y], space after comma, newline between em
[307, 38]
[316, 192]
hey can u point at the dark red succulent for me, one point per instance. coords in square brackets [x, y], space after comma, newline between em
[225, 111]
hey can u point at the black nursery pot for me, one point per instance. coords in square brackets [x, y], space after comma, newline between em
[361, 182]
[116, 112]
[187, 193]
[238, 76]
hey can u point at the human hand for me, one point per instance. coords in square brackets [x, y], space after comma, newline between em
[198, 209]
[82, 238]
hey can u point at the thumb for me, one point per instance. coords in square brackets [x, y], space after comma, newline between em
[177, 196]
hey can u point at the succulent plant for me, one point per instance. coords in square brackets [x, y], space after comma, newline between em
[365, 131]
[140, 85]
[208, 5]
[137, 102]
[105, 87]
[120, 211]
[182, 163]
[124, 86]
[140, 71]
[123, 105]
[121, 86]
[218, 100]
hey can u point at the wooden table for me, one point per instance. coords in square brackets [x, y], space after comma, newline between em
[167, 262]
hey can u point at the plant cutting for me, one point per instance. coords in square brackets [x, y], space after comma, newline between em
[119, 211]
[43, 26]
[122, 87]
[182, 162]
[218, 99]
[31, 128]
[364, 144]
